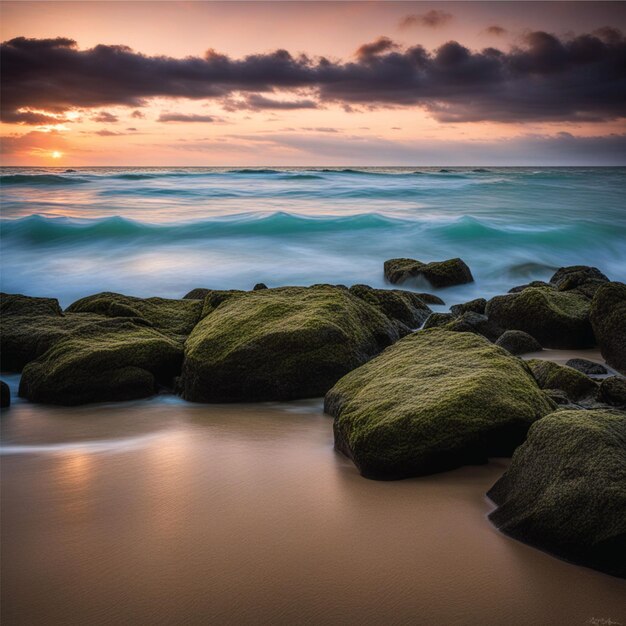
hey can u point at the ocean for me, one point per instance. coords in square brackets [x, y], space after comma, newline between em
[68, 233]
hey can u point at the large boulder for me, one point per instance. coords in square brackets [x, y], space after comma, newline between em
[175, 318]
[434, 401]
[404, 307]
[518, 342]
[555, 319]
[437, 273]
[608, 318]
[280, 344]
[565, 490]
[105, 360]
[550, 375]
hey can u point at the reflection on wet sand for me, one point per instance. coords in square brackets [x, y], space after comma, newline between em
[245, 514]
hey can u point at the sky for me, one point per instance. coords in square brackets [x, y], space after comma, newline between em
[312, 83]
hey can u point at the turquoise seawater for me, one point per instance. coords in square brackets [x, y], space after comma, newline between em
[164, 231]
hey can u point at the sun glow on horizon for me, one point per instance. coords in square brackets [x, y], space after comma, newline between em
[56, 154]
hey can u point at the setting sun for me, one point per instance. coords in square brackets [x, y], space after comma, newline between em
[56, 154]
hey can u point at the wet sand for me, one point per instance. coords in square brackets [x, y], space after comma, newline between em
[162, 512]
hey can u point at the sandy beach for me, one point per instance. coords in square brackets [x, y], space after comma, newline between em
[163, 511]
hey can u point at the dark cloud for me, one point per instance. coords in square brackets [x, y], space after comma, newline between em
[258, 102]
[138, 115]
[105, 116]
[30, 118]
[496, 30]
[544, 79]
[184, 117]
[108, 133]
[369, 50]
[432, 19]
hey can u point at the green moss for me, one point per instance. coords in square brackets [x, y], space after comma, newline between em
[613, 391]
[17, 304]
[433, 401]
[176, 318]
[281, 343]
[436, 320]
[565, 490]
[518, 342]
[473, 306]
[470, 322]
[404, 307]
[608, 318]
[555, 319]
[437, 273]
[577, 276]
[103, 361]
[26, 337]
[550, 375]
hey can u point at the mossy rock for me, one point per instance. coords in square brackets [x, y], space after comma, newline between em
[404, 307]
[437, 320]
[473, 306]
[280, 344]
[470, 322]
[608, 318]
[577, 276]
[5, 395]
[555, 319]
[106, 360]
[550, 375]
[30, 326]
[591, 368]
[176, 318]
[26, 337]
[565, 490]
[434, 401]
[437, 273]
[18, 304]
[518, 342]
[613, 391]
[540, 284]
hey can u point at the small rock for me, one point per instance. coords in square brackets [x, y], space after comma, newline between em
[550, 375]
[518, 342]
[613, 391]
[437, 273]
[475, 306]
[259, 286]
[435, 320]
[585, 366]
[574, 276]
[471, 322]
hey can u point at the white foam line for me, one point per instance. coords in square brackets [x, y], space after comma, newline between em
[85, 447]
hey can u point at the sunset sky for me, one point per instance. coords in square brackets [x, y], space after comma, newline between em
[297, 83]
